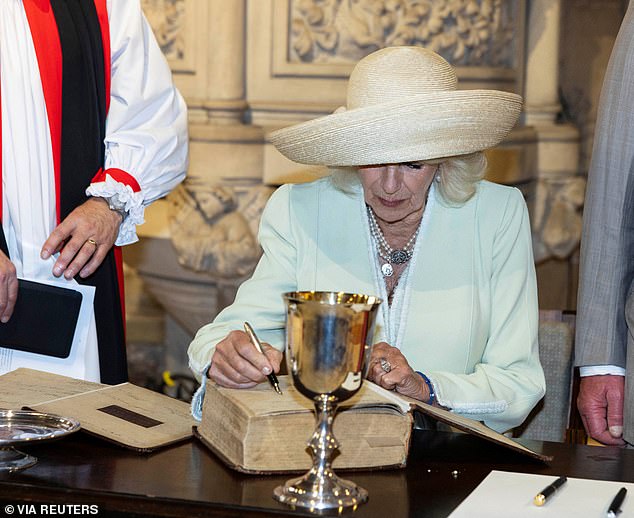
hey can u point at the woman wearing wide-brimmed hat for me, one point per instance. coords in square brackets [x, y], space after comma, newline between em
[405, 215]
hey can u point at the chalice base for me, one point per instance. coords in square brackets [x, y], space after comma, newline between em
[13, 460]
[319, 492]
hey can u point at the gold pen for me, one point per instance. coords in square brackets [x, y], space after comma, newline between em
[548, 491]
[254, 339]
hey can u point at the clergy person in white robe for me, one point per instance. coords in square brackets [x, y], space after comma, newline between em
[93, 130]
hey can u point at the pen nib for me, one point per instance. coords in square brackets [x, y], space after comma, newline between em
[277, 389]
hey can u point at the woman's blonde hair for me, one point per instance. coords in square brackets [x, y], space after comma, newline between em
[457, 177]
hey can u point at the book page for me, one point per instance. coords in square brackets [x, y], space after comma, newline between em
[389, 395]
[473, 427]
[503, 494]
[263, 400]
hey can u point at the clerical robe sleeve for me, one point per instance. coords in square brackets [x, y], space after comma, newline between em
[146, 128]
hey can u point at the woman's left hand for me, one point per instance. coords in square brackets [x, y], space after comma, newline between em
[390, 369]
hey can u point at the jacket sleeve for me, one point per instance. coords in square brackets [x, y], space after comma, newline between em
[607, 243]
[508, 381]
[146, 128]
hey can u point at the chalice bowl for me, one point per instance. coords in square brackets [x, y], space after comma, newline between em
[327, 335]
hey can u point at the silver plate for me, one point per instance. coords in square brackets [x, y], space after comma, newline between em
[23, 426]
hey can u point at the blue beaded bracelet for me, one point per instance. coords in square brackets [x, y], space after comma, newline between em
[432, 393]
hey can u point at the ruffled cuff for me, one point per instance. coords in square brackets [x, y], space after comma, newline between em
[121, 190]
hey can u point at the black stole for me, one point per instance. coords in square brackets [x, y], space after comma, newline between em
[82, 155]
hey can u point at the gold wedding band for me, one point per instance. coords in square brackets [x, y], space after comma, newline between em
[92, 241]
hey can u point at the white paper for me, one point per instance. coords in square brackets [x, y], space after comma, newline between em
[504, 494]
[79, 361]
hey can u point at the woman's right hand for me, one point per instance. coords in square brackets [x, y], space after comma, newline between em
[236, 363]
[8, 288]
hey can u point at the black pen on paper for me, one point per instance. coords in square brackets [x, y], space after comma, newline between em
[258, 345]
[615, 506]
[548, 491]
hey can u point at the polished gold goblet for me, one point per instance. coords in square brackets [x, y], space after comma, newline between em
[328, 341]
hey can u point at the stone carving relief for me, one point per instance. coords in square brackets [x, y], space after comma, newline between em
[465, 32]
[167, 19]
[556, 219]
[213, 227]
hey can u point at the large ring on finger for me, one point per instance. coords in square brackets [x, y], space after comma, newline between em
[385, 365]
[92, 241]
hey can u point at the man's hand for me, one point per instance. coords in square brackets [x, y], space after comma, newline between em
[236, 363]
[600, 404]
[399, 375]
[8, 288]
[83, 239]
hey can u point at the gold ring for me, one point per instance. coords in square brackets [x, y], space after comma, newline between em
[92, 241]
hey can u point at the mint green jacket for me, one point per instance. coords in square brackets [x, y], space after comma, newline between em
[468, 314]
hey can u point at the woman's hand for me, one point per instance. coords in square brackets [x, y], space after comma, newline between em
[236, 363]
[83, 239]
[390, 369]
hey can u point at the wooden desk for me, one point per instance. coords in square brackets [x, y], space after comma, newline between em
[187, 480]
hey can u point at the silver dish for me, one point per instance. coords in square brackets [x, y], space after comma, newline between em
[24, 426]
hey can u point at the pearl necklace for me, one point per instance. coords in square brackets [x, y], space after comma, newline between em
[386, 252]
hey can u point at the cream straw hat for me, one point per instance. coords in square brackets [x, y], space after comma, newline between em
[402, 106]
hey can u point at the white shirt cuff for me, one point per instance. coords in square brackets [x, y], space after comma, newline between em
[601, 370]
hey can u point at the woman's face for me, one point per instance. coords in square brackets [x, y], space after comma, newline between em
[395, 191]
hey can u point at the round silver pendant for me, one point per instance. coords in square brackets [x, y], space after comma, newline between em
[387, 270]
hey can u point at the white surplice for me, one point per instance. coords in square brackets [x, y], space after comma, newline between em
[146, 136]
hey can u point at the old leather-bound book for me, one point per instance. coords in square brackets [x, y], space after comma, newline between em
[259, 431]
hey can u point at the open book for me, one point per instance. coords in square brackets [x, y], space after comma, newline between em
[128, 415]
[257, 431]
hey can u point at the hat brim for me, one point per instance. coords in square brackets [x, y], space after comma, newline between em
[427, 126]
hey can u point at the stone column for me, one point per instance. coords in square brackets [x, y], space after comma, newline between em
[224, 147]
[542, 62]
[558, 145]
[226, 102]
[558, 190]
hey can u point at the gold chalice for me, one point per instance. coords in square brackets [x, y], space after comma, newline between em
[327, 346]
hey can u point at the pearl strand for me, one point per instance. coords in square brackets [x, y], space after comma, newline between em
[386, 252]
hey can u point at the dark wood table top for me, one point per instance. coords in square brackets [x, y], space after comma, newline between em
[188, 480]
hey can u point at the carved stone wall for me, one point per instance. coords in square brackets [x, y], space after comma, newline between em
[167, 18]
[471, 33]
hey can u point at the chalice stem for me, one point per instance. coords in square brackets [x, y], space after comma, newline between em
[323, 443]
[320, 488]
